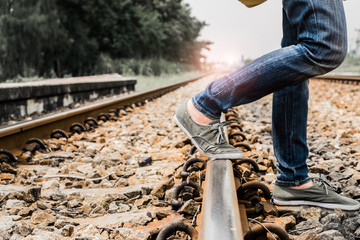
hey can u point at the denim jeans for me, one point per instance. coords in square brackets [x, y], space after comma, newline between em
[314, 42]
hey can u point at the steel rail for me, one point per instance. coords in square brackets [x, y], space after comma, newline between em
[339, 79]
[220, 215]
[14, 137]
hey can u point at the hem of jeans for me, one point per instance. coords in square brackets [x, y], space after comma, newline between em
[292, 183]
[203, 111]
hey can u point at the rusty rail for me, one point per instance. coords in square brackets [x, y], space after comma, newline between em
[355, 80]
[14, 137]
[220, 211]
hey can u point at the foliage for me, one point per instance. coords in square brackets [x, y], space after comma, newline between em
[146, 67]
[84, 37]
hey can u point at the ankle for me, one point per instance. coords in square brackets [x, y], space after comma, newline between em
[303, 186]
[196, 115]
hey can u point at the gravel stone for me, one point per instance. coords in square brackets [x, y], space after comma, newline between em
[57, 195]
[332, 235]
[27, 211]
[128, 233]
[67, 231]
[43, 218]
[160, 190]
[32, 194]
[351, 224]
[286, 222]
[123, 207]
[331, 218]
[113, 207]
[357, 233]
[7, 176]
[6, 224]
[189, 208]
[311, 213]
[313, 225]
[144, 201]
[23, 230]
[13, 203]
[269, 209]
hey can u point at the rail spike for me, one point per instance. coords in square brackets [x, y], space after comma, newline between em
[91, 122]
[186, 172]
[104, 117]
[262, 229]
[175, 203]
[77, 128]
[7, 157]
[35, 144]
[249, 189]
[172, 228]
[59, 133]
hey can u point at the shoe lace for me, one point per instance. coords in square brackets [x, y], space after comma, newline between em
[321, 181]
[218, 129]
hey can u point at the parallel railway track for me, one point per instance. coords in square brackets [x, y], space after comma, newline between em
[13, 137]
[339, 79]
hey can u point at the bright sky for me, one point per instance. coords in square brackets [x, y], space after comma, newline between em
[251, 32]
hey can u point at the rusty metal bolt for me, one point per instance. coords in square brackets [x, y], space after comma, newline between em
[35, 144]
[59, 133]
[175, 203]
[7, 157]
[172, 228]
[77, 128]
[103, 117]
[259, 230]
[249, 189]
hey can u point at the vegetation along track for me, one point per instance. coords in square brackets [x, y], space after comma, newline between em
[126, 178]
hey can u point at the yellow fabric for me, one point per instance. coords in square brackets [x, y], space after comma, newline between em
[252, 3]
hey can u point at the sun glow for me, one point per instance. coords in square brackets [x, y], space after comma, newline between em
[230, 60]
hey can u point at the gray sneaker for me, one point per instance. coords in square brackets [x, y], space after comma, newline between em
[321, 194]
[209, 139]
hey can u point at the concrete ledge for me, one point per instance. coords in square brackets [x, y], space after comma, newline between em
[23, 99]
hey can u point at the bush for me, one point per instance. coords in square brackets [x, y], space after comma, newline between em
[145, 67]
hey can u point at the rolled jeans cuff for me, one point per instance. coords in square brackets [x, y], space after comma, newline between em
[292, 183]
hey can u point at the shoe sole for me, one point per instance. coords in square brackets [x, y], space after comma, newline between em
[216, 156]
[317, 204]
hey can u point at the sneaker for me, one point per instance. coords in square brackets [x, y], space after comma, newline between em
[209, 139]
[321, 194]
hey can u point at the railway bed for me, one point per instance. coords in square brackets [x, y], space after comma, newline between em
[117, 181]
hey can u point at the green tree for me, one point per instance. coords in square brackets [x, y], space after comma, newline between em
[59, 37]
[30, 38]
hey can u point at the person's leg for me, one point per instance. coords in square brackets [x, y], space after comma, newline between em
[289, 122]
[320, 29]
[290, 108]
[321, 47]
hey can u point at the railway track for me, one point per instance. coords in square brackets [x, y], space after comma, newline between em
[339, 79]
[57, 175]
[12, 137]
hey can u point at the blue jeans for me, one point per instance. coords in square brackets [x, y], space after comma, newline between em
[314, 43]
